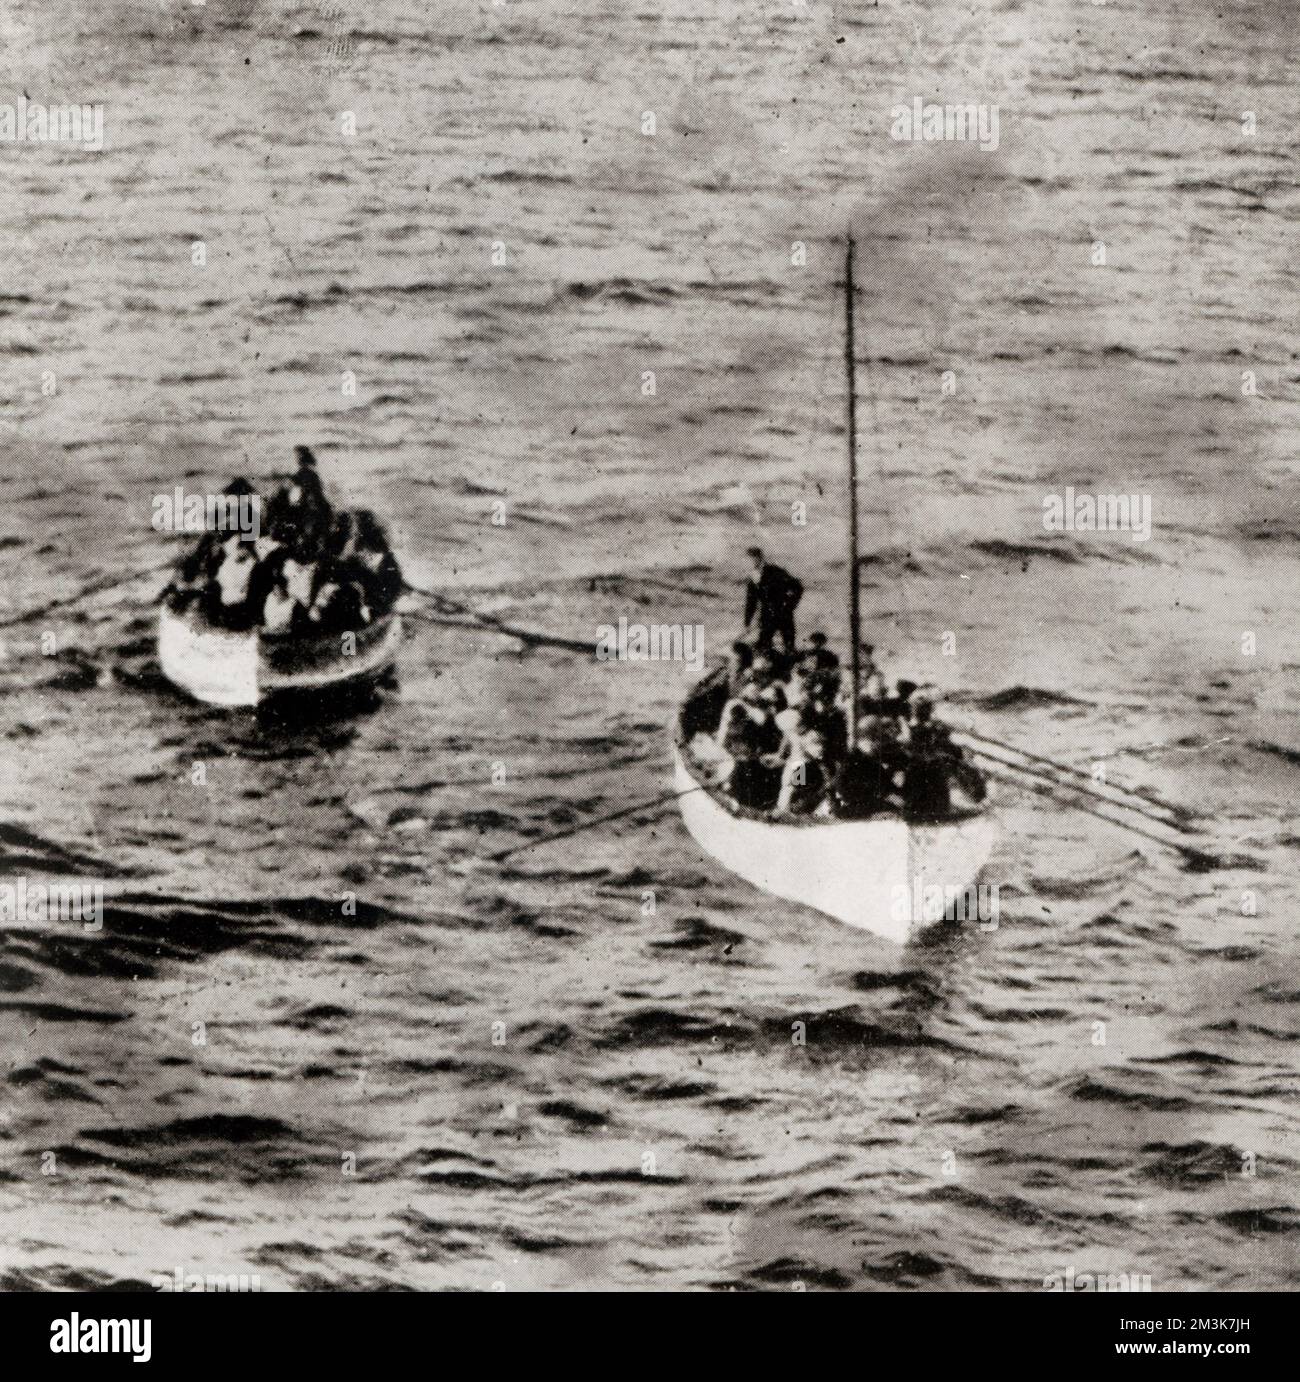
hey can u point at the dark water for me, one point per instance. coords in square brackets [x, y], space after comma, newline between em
[640, 1116]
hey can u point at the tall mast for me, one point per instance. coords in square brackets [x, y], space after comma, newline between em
[851, 403]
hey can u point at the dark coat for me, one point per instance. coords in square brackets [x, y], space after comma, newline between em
[862, 787]
[383, 587]
[773, 598]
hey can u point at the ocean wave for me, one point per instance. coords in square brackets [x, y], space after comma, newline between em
[244, 1146]
[696, 933]
[1025, 552]
[1024, 698]
[142, 933]
[1190, 1165]
[624, 290]
[1092, 1090]
[1252, 1222]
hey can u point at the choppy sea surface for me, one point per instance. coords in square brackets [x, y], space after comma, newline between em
[517, 1072]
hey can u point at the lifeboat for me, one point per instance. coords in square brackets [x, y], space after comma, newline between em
[221, 667]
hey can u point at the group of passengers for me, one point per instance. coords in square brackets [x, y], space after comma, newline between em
[312, 570]
[785, 726]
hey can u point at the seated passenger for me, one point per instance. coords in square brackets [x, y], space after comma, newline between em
[930, 760]
[270, 559]
[266, 546]
[739, 661]
[783, 657]
[238, 489]
[299, 577]
[755, 721]
[817, 656]
[339, 604]
[888, 736]
[822, 716]
[282, 614]
[194, 572]
[925, 789]
[225, 602]
[198, 565]
[863, 786]
[823, 682]
[753, 785]
[281, 588]
[369, 534]
[762, 670]
[898, 705]
[735, 714]
[788, 721]
[773, 702]
[926, 734]
[934, 738]
[342, 536]
[805, 780]
[733, 729]
[748, 736]
[374, 565]
[796, 686]
[727, 721]
[748, 780]
[872, 683]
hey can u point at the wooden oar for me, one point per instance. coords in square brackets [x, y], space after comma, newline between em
[1086, 787]
[472, 619]
[555, 775]
[1070, 770]
[1199, 859]
[662, 800]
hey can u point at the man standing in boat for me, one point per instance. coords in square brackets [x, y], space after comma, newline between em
[771, 596]
[299, 514]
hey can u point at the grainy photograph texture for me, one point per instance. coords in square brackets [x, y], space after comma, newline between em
[649, 646]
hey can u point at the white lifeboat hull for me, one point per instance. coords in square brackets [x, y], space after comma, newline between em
[872, 874]
[223, 668]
